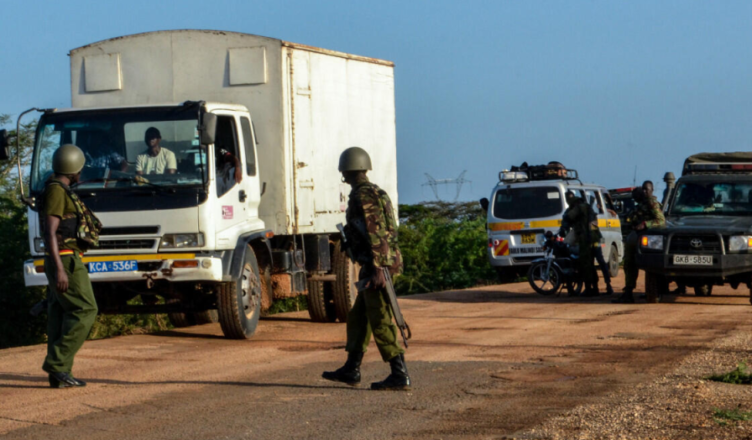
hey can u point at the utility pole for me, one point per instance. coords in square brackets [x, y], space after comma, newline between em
[458, 182]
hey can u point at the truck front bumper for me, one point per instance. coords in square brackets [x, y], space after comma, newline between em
[724, 265]
[168, 267]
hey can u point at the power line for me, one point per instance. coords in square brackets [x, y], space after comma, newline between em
[458, 182]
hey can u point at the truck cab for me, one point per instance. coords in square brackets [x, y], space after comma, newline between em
[524, 205]
[707, 240]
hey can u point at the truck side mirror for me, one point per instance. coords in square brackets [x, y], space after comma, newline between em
[484, 204]
[208, 129]
[4, 145]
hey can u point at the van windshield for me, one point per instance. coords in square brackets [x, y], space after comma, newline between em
[530, 202]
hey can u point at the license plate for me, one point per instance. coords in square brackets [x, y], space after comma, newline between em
[528, 238]
[112, 266]
[694, 260]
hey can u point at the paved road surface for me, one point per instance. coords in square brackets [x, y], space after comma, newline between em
[486, 363]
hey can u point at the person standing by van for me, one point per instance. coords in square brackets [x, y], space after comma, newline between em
[69, 229]
[577, 216]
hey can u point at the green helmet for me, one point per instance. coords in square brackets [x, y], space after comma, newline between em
[354, 159]
[68, 159]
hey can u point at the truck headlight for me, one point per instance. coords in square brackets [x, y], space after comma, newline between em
[652, 242]
[177, 241]
[740, 243]
[39, 245]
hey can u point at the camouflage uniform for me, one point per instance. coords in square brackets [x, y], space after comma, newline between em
[372, 230]
[651, 214]
[71, 313]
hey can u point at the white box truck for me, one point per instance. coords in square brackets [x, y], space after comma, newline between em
[210, 247]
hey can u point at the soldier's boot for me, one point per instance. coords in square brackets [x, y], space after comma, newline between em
[348, 373]
[398, 379]
[609, 289]
[591, 290]
[64, 380]
[625, 298]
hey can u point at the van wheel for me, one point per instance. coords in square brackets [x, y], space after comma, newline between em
[239, 301]
[655, 286]
[704, 290]
[613, 262]
[343, 289]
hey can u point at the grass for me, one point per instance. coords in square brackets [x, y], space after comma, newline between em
[723, 416]
[295, 304]
[738, 376]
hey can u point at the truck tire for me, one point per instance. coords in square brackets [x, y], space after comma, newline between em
[704, 290]
[178, 319]
[206, 317]
[320, 303]
[344, 290]
[655, 286]
[613, 262]
[239, 301]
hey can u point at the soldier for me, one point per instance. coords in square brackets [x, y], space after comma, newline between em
[69, 229]
[578, 216]
[647, 214]
[372, 235]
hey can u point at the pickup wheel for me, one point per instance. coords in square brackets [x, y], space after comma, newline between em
[239, 301]
[655, 286]
[320, 303]
[343, 289]
[613, 262]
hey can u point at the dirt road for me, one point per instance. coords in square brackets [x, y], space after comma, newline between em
[495, 362]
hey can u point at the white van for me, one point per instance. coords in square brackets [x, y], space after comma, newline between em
[527, 203]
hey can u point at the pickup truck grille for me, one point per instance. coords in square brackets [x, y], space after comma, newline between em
[683, 244]
[127, 244]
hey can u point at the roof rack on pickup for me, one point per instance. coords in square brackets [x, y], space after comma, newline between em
[718, 163]
[536, 172]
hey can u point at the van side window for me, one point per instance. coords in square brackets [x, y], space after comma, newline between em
[607, 200]
[250, 150]
[594, 201]
[225, 153]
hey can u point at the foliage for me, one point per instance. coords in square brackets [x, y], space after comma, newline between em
[443, 247]
[107, 326]
[722, 416]
[295, 304]
[738, 376]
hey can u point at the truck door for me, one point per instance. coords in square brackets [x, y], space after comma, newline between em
[232, 197]
[302, 140]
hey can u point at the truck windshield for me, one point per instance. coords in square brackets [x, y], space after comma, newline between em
[130, 148]
[714, 198]
[524, 203]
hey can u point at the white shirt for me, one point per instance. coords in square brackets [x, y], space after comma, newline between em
[148, 164]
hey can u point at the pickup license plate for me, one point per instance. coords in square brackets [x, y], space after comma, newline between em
[112, 266]
[694, 260]
[528, 238]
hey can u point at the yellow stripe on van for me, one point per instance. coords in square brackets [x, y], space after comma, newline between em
[609, 223]
[506, 226]
[138, 257]
[545, 224]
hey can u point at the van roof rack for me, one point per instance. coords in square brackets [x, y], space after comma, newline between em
[535, 173]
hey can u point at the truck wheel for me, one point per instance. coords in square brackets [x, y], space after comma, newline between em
[180, 320]
[655, 286]
[320, 304]
[239, 301]
[206, 317]
[704, 290]
[344, 288]
[613, 262]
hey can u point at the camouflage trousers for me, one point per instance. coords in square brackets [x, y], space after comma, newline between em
[372, 315]
[631, 272]
[70, 315]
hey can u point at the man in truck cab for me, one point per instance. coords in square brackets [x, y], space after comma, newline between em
[156, 159]
[69, 230]
[372, 239]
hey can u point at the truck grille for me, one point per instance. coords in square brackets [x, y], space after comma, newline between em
[127, 244]
[684, 244]
[130, 230]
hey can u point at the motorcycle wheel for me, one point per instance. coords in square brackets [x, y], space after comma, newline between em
[543, 280]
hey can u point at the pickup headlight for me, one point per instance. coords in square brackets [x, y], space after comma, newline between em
[178, 241]
[39, 245]
[652, 242]
[740, 243]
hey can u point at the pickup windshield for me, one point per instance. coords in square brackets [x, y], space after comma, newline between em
[525, 203]
[131, 148]
[713, 198]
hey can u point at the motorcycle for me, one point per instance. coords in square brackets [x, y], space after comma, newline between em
[557, 269]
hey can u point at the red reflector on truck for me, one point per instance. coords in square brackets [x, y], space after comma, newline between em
[182, 264]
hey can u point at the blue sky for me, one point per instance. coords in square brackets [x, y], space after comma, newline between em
[602, 86]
